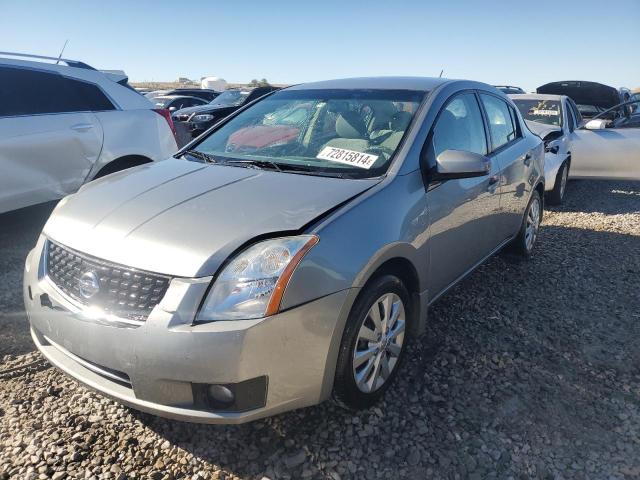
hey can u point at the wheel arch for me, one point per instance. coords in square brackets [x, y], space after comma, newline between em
[121, 163]
[399, 260]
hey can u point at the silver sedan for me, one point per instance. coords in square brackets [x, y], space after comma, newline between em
[288, 255]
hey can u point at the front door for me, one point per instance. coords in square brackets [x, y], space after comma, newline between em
[611, 153]
[464, 226]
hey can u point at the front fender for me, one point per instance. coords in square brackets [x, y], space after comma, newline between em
[389, 221]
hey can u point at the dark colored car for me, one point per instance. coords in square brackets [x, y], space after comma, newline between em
[200, 118]
[203, 93]
[509, 89]
[592, 98]
[174, 103]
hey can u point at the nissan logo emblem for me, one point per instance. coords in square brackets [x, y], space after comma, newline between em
[88, 285]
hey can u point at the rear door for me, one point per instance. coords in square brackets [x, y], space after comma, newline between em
[48, 139]
[608, 153]
[516, 159]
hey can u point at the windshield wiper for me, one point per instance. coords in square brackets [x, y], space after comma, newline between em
[256, 163]
[201, 156]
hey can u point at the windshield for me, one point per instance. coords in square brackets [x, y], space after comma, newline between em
[548, 112]
[326, 132]
[161, 102]
[230, 98]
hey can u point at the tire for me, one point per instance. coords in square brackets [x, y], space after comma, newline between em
[556, 195]
[380, 357]
[524, 243]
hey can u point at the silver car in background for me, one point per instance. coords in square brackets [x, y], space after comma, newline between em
[288, 255]
[607, 148]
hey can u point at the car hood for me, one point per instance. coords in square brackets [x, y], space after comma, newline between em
[541, 129]
[184, 218]
[199, 109]
[584, 93]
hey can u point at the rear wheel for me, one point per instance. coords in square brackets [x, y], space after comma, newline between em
[556, 195]
[373, 343]
[525, 241]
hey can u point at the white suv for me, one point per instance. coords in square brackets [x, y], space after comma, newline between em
[62, 125]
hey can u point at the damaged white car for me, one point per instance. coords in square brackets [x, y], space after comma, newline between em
[553, 118]
[606, 147]
[64, 123]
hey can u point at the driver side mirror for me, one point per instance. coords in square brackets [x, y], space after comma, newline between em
[597, 124]
[452, 164]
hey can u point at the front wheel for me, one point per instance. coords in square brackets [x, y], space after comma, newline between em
[525, 241]
[556, 195]
[373, 343]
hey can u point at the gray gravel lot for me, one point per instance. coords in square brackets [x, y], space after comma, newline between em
[528, 370]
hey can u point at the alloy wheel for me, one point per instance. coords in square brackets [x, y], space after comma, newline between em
[533, 224]
[379, 343]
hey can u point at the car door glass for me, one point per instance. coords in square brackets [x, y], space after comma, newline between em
[460, 127]
[30, 92]
[571, 119]
[501, 126]
[81, 96]
[516, 122]
[576, 112]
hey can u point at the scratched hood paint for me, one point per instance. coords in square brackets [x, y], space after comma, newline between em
[185, 218]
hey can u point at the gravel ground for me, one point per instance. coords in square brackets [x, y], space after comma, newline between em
[529, 370]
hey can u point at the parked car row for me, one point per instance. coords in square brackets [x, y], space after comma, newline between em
[199, 118]
[290, 252]
[205, 94]
[605, 147]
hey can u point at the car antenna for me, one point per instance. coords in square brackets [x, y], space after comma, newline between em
[61, 51]
[441, 72]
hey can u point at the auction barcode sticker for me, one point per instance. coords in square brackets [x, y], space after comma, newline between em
[546, 113]
[348, 157]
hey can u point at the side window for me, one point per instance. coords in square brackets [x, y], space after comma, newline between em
[571, 118]
[30, 92]
[517, 129]
[460, 127]
[81, 96]
[500, 123]
[576, 112]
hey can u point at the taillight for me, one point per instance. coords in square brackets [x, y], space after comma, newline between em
[167, 116]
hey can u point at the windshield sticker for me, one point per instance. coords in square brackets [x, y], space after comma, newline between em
[347, 157]
[545, 113]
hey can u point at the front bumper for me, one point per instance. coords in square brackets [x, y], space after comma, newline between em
[154, 367]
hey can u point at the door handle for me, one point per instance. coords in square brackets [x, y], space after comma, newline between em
[527, 159]
[81, 127]
[493, 184]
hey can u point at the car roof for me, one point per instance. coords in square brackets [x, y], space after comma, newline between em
[173, 97]
[193, 89]
[536, 96]
[376, 83]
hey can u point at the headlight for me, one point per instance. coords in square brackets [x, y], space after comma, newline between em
[203, 117]
[252, 284]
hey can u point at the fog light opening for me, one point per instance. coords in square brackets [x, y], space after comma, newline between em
[221, 394]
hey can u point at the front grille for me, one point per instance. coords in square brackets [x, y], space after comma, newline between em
[118, 290]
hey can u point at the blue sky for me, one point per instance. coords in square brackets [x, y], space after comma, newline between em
[525, 43]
